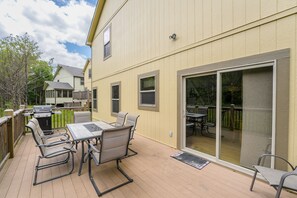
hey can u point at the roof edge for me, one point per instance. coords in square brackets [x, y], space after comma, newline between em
[86, 64]
[95, 21]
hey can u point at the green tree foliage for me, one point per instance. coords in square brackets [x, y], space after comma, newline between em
[17, 54]
[38, 73]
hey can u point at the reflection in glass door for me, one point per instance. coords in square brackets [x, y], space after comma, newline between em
[246, 115]
[200, 115]
[244, 97]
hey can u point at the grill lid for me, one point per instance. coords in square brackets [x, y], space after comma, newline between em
[42, 109]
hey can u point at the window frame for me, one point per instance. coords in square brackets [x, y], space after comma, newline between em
[95, 100]
[149, 107]
[65, 93]
[82, 81]
[113, 113]
[108, 42]
[90, 73]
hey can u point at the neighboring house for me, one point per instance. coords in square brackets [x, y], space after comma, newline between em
[236, 59]
[66, 81]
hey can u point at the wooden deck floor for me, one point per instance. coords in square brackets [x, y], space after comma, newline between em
[155, 174]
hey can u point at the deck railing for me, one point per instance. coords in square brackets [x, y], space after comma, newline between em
[59, 120]
[231, 116]
[12, 127]
[82, 95]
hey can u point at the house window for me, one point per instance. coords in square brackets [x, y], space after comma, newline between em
[70, 94]
[95, 99]
[115, 98]
[59, 93]
[65, 93]
[148, 91]
[90, 73]
[107, 42]
[82, 81]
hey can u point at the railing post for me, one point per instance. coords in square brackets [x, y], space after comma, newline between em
[23, 119]
[232, 117]
[10, 132]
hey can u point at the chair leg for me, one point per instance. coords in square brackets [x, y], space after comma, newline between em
[253, 181]
[99, 193]
[123, 172]
[38, 167]
[134, 152]
[280, 187]
[91, 176]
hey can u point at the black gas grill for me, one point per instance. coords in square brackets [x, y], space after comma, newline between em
[43, 113]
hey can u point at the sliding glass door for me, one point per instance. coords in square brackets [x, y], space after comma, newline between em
[201, 108]
[246, 112]
[243, 100]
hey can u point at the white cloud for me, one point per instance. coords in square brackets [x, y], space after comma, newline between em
[49, 25]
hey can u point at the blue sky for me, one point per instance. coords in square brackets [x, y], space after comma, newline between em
[60, 27]
[72, 47]
[85, 50]
[65, 2]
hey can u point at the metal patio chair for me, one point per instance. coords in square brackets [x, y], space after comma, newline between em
[278, 179]
[113, 147]
[82, 116]
[120, 119]
[50, 151]
[54, 135]
[132, 121]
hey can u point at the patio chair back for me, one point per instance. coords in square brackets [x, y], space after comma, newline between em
[82, 116]
[36, 136]
[121, 119]
[114, 144]
[38, 128]
[132, 121]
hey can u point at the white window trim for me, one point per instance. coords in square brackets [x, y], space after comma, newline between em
[108, 27]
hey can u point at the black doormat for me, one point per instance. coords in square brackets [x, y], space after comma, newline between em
[192, 160]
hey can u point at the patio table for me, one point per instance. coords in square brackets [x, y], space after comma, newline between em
[86, 131]
[198, 118]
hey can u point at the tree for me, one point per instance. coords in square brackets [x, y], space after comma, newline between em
[17, 54]
[38, 73]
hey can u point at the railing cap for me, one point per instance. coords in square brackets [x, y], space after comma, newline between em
[3, 120]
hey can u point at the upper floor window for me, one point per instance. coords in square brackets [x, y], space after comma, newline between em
[107, 42]
[148, 91]
[115, 98]
[90, 73]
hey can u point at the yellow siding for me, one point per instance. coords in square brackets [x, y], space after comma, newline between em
[268, 7]
[110, 7]
[207, 31]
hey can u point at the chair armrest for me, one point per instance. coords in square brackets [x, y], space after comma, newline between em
[56, 135]
[54, 143]
[263, 156]
[56, 129]
[70, 149]
[284, 176]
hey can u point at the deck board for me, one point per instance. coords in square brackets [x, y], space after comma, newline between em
[155, 174]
